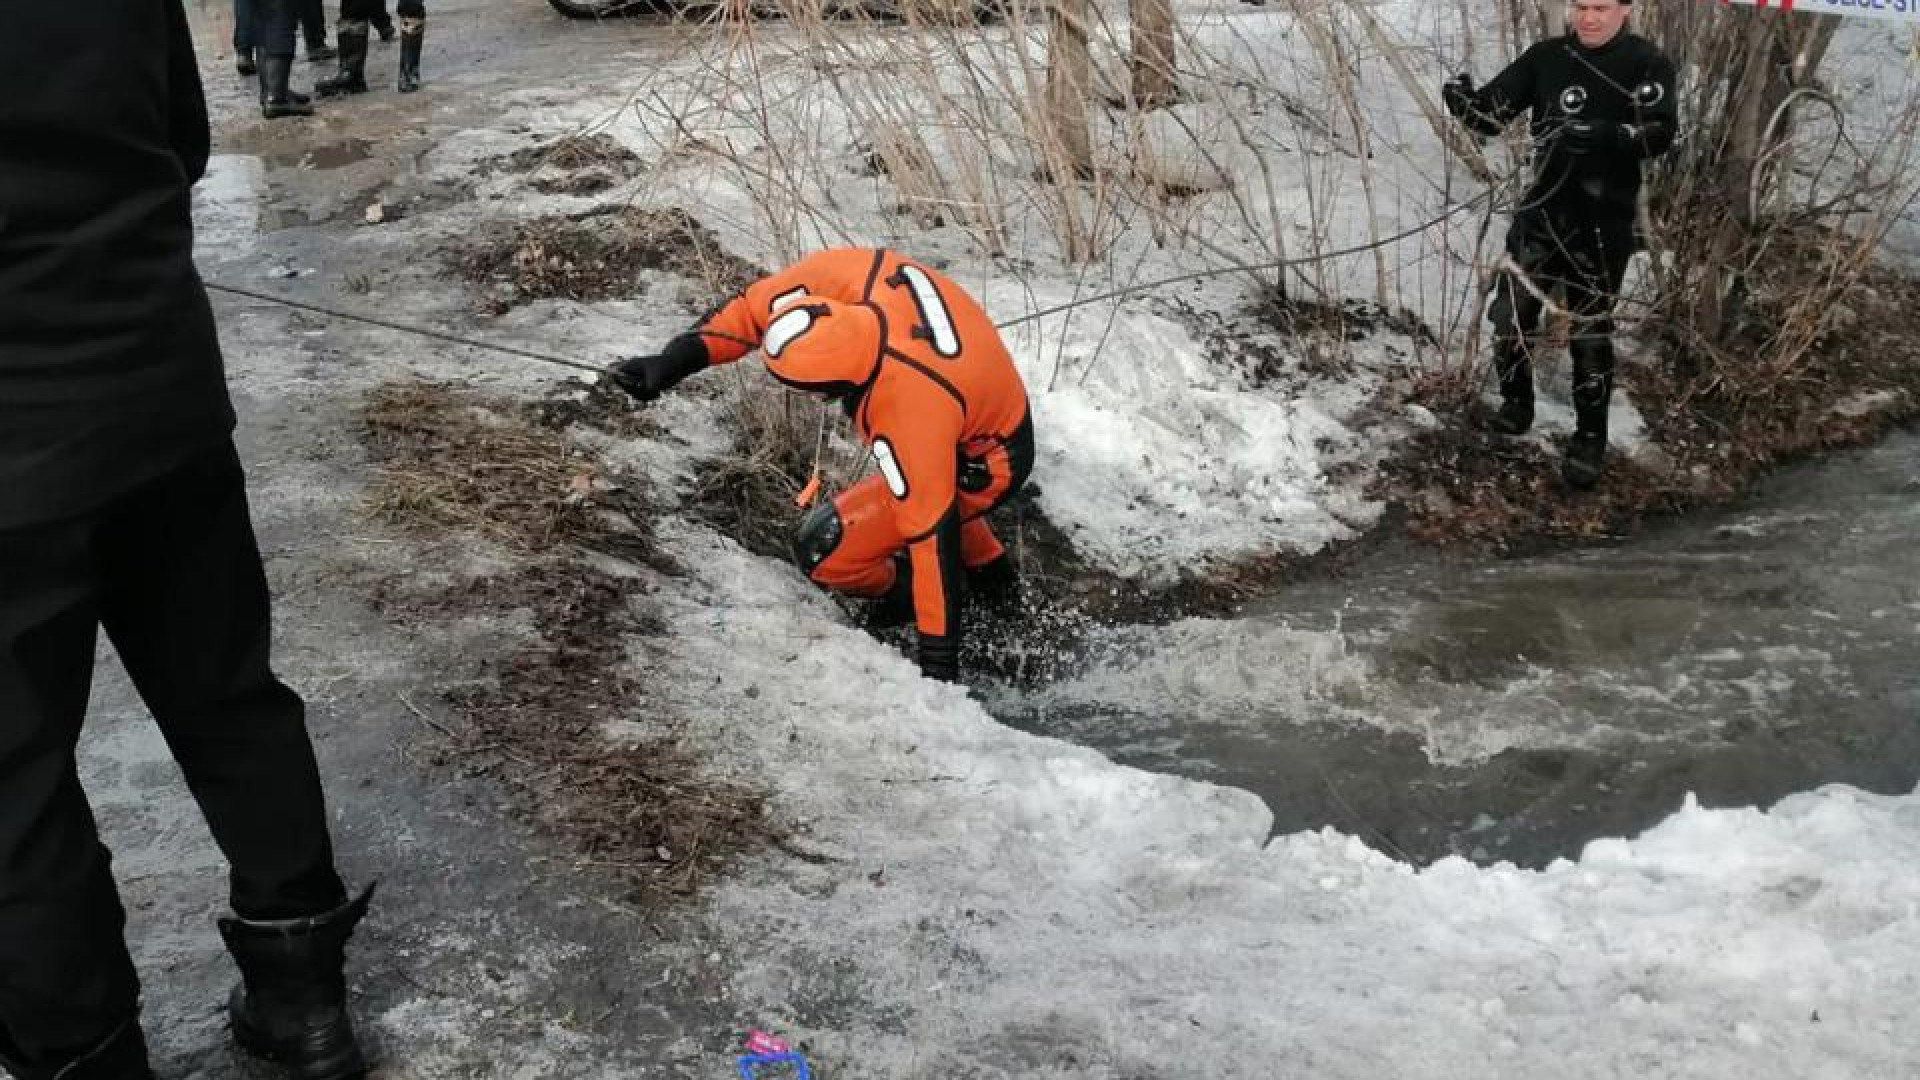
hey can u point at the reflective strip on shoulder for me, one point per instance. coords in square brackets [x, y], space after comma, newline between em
[785, 328]
[933, 311]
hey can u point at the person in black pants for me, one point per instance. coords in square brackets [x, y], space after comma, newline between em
[271, 29]
[313, 26]
[1602, 101]
[243, 56]
[313, 23]
[123, 508]
[355, 18]
[382, 21]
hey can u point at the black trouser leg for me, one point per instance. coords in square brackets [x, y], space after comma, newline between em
[187, 610]
[375, 11]
[1533, 261]
[1600, 265]
[1592, 351]
[313, 23]
[1515, 315]
[274, 27]
[242, 27]
[66, 981]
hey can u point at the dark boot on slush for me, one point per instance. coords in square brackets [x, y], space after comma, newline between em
[291, 1004]
[1515, 373]
[277, 99]
[1586, 452]
[1592, 354]
[352, 76]
[413, 33]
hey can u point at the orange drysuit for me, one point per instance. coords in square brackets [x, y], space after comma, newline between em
[930, 387]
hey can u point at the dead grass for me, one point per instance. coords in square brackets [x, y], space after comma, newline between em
[779, 437]
[595, 256]
[450, 460]
[649, 810]
[1460, 487]
[1727, 417]
[573, 164]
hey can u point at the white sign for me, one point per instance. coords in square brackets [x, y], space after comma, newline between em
[1874, 9]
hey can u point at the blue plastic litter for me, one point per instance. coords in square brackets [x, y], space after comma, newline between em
[753, 1061]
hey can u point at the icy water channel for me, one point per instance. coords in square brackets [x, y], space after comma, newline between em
[1518, 709]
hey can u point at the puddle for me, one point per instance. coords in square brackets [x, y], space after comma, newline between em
[331, 155]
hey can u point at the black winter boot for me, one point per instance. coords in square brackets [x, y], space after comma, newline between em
[243, 63]
[352, 76]
[383, 25]
[1585, 453]
[120, 1056]
[413, 32]
[291, 1004]
[1515, 414]
[276, 99]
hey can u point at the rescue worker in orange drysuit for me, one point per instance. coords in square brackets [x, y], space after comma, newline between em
[930, 388]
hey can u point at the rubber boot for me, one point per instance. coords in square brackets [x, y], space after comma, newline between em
[291, 1004]
[413, 32]
[244, 64]
[276, 100]
[352, 76]
[1515, 414]
[120, 1056]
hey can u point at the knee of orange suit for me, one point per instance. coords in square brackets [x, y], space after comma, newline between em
[848, 544]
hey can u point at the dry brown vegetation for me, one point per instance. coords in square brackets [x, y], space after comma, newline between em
[597, 255]
[453, 462]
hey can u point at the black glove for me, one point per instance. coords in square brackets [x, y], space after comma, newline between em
[1457, 95]
[647, 377]
[1586, 137]
[940, 658]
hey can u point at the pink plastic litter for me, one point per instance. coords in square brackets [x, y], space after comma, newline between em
[759, 1042]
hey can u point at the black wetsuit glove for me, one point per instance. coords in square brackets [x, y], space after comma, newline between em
[1457, 95]
[1587, 137]
[647, 377]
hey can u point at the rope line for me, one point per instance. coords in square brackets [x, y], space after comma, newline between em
[600, 369]
[421, 331]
